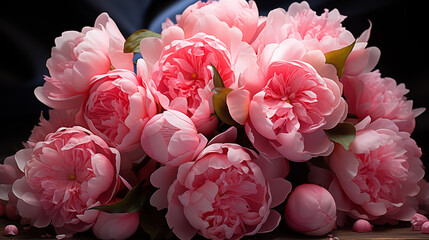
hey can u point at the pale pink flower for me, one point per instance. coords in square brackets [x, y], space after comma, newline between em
[377, 178]
[368, 94]
[115, 225]
[288, 117]
[181, 79]
[67, 173]
[77, 57]
[417, 221]
[235, 13]
[225, 194]
[324, 32]
[172, 139]
[362, 226]
[310, 209]
[117, 108]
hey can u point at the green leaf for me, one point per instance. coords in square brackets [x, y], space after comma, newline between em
[217, 79]
[132, 44]
[338, 58]
[132, 202]
[220, 106]
[344, 134]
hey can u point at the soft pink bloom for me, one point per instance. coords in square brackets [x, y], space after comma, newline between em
[362, 226]
[368, 94]
[310, 209]
[115, 225]
[172, 139]
[10, 230]
[288, 117]
[181, 79]
[417, 221]
[425, 227]
[225, 194]
[77, 57]
[377, 179]
[67, 173]
[235, 13]
[117, 108]
[324, 32]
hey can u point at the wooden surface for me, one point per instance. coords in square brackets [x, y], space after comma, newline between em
[403, 232]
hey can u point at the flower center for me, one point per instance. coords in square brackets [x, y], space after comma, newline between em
[72, 177]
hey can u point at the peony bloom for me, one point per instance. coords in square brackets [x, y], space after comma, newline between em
[378, 177]
[172, 139]
[67, 173]
[311, 210]
[288, 117]
[181, 79]
[115, 225]
[77, 57]
[324, 32]
[117, 108]
[235, 13]
[369, 94]
[224, 194]
[9, 173]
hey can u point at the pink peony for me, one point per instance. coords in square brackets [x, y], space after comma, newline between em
[9, 173]
[67, 173]
[310, 209]
[378, 177]
[181, 79]
[225, 194]
[77, 57]
[117, 108]
[235, 13]
[324, 32]
[288, 116]
[172, 139]
[115, 225]
[368, 94]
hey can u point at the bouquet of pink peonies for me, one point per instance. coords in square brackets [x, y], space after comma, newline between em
[200, 133]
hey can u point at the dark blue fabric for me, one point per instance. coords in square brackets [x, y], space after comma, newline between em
[28, 30]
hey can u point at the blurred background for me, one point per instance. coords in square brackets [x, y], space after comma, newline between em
[28, 30]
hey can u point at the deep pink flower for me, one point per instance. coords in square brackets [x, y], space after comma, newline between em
[417, 221]
[172, 139]
[67, 173]
[310, 209]
[377, 178]
[117, 108]
[368, 94]
[235, 13]
[77, 57]
[224, 194]
[288, 116]
[181, 79]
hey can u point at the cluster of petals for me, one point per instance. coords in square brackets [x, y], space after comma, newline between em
[226, 193]
[77, 57]
[377, 179]
[67, 173]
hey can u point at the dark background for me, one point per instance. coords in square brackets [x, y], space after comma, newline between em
[28, 30]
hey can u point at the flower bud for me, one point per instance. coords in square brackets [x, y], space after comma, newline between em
[362, 226]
